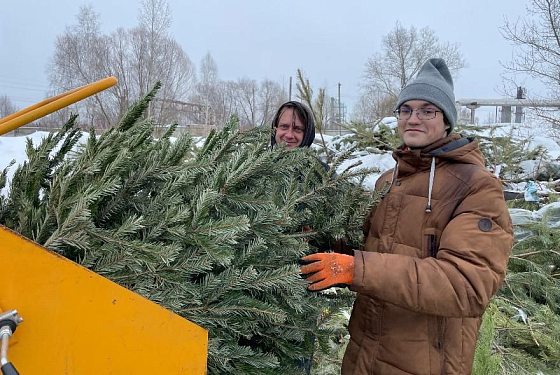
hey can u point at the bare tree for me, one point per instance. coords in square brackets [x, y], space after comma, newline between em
[6, 106]
[77, 61]
[208, 70]
[152, 55]
[165, 62]
[537, 41]
[155, 16]
[271, 97]
[120, 44]
[207, 88]
[138, 58]
[403, 52]
[246, 91]
[225, 103]
[148, 37]
[372, 106]
[257, 103]
[254, 103]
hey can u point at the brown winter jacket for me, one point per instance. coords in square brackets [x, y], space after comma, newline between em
[424, 278]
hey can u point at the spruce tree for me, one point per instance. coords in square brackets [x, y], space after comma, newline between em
[526, 311]
[211, 233]
[505, 152]
[520, 331]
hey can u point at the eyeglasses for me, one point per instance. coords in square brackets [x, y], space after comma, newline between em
[423, 113]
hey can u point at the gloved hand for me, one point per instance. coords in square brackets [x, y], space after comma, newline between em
[324, 270]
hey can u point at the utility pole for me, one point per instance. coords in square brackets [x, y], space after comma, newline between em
[519, 110]
[290, 90]
[253, 109]
[207, 94]
[339, 112]
[206, 115]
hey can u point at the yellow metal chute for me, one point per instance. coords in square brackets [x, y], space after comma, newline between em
[77, 322]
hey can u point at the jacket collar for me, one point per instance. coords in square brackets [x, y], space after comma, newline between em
[452, 147]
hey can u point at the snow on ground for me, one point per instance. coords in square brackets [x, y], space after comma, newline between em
[550, 145]
[529, 129]
[391, 122]
[535, 134]
[14, 148]
[382, 162]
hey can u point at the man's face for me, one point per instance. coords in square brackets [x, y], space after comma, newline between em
[419, 130]
[290, 130]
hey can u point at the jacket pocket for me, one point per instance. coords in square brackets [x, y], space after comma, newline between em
[430, 242]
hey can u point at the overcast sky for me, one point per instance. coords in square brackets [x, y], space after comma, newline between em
[330, 41]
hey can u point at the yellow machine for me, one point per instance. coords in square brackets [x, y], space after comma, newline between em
[57, 317]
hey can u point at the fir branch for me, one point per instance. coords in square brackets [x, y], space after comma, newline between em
[212, 233]
[138, 109]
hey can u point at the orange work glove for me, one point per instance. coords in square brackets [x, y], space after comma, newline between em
[324, 270]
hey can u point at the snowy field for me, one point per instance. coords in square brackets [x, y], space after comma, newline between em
[13, 148]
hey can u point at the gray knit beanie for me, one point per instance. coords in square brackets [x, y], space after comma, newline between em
[434, 84]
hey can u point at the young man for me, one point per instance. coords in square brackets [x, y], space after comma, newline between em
[293, 126]
[435, 249]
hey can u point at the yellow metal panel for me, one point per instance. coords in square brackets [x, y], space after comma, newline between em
[77, 322]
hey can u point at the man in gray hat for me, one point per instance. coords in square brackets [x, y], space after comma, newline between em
[435, 247]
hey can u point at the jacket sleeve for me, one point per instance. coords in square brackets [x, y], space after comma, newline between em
[470, 265]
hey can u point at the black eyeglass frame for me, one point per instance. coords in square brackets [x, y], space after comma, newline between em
[419, 113]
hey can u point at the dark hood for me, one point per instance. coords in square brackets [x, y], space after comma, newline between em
[308, 138]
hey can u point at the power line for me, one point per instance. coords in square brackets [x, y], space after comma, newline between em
[23, 88]
[19, 81]
[21, 100]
